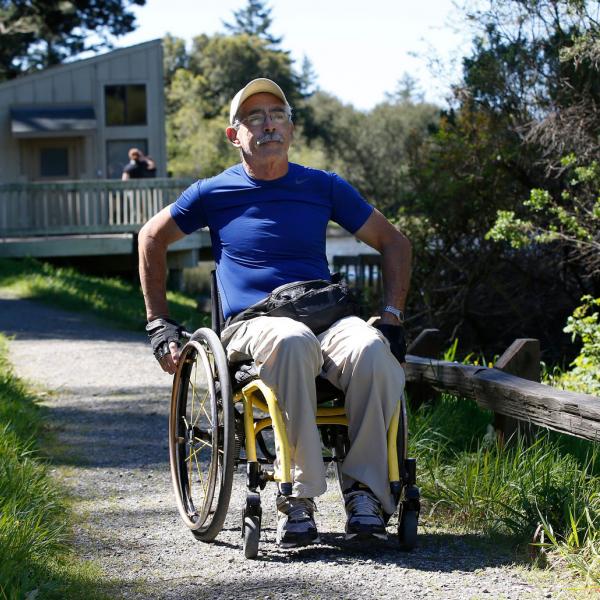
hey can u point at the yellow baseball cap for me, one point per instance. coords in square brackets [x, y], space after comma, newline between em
[256, 86]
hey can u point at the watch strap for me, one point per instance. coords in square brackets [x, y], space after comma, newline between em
[395, 311]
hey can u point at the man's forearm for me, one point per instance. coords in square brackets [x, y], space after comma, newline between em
[153, 241]
[396, 270]
[396, 253]
[153, 276]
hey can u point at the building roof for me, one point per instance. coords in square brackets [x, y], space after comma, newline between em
[51, 71]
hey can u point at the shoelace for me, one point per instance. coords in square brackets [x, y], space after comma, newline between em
[363, 504]
[300, 509]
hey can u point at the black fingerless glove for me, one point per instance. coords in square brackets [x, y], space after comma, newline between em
[395, 336]
[161, 331]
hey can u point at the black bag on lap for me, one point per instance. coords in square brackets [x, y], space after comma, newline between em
[317, 303]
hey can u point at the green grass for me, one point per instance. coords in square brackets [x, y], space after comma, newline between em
[35, 556]
[471, 483]
[111, 299]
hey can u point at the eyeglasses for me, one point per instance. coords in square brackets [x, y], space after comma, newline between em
[259, 117]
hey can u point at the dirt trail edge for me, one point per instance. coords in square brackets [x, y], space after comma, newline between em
[109, 405]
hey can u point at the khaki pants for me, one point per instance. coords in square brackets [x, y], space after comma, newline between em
[354, 357]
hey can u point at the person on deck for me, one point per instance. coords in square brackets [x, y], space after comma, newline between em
[267, 219]
[139, 166]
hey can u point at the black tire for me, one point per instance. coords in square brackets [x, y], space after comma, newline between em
[251, 536]
[407, 530]
[201, 435]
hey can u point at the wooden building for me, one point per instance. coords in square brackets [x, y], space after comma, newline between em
[78, 120]
[64, 137]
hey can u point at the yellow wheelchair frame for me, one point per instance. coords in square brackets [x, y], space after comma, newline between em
[212, 421]
[258, 395]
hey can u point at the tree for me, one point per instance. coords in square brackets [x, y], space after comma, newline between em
[255, 20]
[202, 83]
[550, 69]
[571, 218]
[538, 60]
[532, 76]
[40, 33]
[308, 77]
[174, 57]
[370, 149]
[227, 63]
[406, 91]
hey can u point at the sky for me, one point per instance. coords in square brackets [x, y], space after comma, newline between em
[359, 49]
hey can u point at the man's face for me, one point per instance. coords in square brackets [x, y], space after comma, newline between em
[259, 140]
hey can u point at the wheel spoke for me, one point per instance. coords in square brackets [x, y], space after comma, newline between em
[208, 416]
[201, 478]
[191, 459]
[204, 443]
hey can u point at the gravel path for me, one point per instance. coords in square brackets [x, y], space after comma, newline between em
[109, 405]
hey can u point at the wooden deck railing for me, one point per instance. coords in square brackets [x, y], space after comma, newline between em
[502, 390]
[76, 207]
[362, 270]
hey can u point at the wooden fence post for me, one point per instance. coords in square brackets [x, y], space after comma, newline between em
[522, 358]
[428, 344]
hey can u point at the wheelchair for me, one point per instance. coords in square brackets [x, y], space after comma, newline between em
[220, 414]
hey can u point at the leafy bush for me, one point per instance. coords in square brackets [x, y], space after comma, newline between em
[584, 325]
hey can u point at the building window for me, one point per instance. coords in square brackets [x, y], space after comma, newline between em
[54, 162]
[125, 104]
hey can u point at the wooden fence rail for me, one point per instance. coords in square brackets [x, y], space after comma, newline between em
[509, 395]
[74, 207]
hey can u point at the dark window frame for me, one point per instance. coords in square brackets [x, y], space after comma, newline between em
[48, 164]
[124, 91]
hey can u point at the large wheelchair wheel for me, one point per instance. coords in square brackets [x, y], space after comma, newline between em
[201, 435]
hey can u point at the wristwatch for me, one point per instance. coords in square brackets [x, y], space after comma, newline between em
[396, 312]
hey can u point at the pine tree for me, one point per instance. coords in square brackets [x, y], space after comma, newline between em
[255, 19]
[36, 35]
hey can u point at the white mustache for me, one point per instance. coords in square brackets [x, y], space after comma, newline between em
[269, 137]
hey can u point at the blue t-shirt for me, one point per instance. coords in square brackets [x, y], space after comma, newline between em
[267, 233]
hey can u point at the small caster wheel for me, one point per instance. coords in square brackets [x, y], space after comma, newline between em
[407, 530]
[251, 536]
[251, 518]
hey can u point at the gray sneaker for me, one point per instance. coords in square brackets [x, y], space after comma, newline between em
[296, 524]
[365, 516]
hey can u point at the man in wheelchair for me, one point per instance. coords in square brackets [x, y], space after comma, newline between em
[267, 219]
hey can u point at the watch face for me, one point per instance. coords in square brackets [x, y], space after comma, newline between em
[395, 311]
